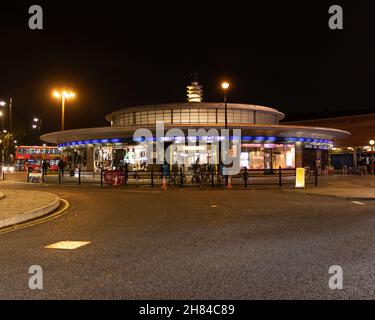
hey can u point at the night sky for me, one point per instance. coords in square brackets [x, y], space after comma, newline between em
[113, 56]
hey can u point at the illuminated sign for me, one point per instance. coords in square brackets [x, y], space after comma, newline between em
[300, 177]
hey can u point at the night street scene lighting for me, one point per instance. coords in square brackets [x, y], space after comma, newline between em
[189, 163]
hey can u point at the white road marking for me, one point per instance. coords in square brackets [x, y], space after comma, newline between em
[214, 206]
[67, 245]
[358, 202]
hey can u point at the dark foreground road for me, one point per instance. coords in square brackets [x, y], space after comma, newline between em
[195, 244]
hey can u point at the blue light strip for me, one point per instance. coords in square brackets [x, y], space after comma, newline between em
[255, 139]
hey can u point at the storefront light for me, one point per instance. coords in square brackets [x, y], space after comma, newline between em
[260, 138]
[271, 139]
[247, 138]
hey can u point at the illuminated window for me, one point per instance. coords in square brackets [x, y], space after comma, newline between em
[167, 116]
[220, 116]
[137, 118]
[194, 116]
[131, 119]
[245, 116]
[203, 116]
[236, 116]
[211, 115]
[185, 116]
[177, 116]
[143, 118]
[151, 117]
[159, 115]
[230, 116]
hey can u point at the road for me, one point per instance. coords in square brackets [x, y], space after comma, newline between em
[194, 244]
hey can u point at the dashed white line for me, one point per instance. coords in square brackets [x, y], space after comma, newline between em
[358, 202]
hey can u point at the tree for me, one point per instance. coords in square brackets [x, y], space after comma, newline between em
[7, 146]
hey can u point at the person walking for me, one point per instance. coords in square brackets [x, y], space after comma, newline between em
[44, 168]
[61, 166]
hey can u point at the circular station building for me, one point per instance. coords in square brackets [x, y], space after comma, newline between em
[265, 143]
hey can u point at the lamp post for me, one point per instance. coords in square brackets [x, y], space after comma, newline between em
[2, 154]
[372, 142]
[225, 86]
[3, 104]
[2, 115]
[63, 95]
[2, 120]
[37, 124]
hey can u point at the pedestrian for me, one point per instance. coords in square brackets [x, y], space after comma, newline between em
[44, 168]
[61, 166]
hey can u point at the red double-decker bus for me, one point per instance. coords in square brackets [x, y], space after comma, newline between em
[32, 157]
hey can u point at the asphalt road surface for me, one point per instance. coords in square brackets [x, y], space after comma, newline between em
[194, 244]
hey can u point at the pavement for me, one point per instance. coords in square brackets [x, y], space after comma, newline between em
[18, 206]
[347, 187]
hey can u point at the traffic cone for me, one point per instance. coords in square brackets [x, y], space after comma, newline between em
[164, 184]
[229, 185]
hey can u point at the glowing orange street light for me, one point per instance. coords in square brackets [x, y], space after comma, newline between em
[225, 85]
[63, 95]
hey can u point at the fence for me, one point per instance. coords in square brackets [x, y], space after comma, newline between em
[203, 177]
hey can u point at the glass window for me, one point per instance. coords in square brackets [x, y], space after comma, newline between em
[151, 117]
[211, 115]
[137, 118]
[236, 116]
[203, 116]
[167, 116]
[177, 116]
[185, 116]
[220, 116]
[230, 116]
[131, 118]
[159, 115]
[194, 116]
[244, 116]
[143, 118]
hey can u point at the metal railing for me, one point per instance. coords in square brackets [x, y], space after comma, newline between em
[181, 178]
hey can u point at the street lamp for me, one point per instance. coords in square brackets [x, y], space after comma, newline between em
[3, 104]
[63, 95]
[2, 155]
[372, 142]
[2, 120]
[225, 86]
[37, 124]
